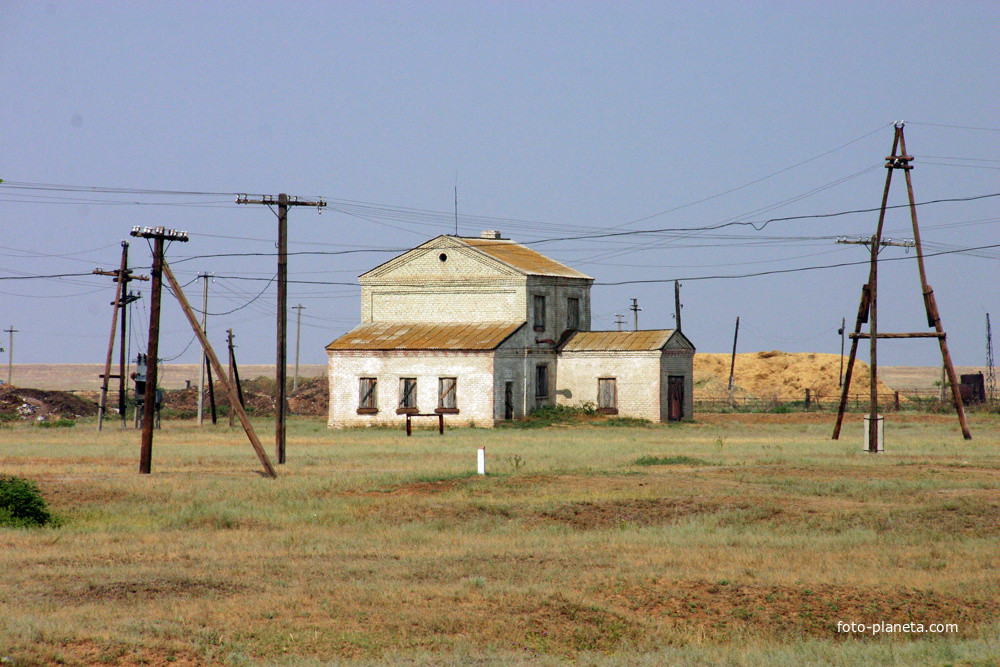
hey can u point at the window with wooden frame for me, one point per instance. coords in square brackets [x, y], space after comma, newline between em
[573, 313]
[539, 321]
[367, 396]
[407, 395]
[607, 396]
[541, 381]
[447, 390]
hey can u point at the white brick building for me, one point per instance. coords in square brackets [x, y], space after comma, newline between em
[485, 329]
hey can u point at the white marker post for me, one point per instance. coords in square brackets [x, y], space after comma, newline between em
[482, 460]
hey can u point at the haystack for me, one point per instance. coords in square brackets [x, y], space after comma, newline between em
[778, 376]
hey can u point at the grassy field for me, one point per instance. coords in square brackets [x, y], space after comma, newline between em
[735, 540]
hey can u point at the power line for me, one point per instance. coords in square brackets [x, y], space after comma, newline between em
[762, 223]
[957, 127]
[795, 270]
[39, 277]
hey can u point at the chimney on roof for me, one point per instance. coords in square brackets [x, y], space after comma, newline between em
[491, 234]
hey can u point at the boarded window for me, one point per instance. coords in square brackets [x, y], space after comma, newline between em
[572, 313]
[607, 395]
[539, 312]
[447, 388]
[542, 381]
[367, 394]
[408, 393]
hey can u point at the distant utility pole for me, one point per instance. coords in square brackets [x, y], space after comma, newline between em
[841, 331]
[635, 314]
[732, 364]
[122, 277]
[159, 235]
[283, 202]
[677, 303]
[991, 377]
[619, 320]
[10, 350]
[232, 366]
[298, 332]
[204, 329]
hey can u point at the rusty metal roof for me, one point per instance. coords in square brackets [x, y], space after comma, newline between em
[521, 258]
[617, 341]
[425, 336]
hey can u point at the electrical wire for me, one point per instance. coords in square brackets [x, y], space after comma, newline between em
[795, 270]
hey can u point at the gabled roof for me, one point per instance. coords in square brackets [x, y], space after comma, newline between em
[424, 336]
[500, 253]
[521, 258]
[624, 341]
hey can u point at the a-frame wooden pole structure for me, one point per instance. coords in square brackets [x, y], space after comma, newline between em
[898, 159]
[214, 360]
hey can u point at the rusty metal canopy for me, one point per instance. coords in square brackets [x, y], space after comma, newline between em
[425, 336]
[521, 258]
[617, 341]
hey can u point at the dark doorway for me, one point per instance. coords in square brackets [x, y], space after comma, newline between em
[675, 397]
[508, 401]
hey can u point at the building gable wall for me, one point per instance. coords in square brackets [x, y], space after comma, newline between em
[465, 286]
[637, 378]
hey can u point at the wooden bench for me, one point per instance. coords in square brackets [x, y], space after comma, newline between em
[411, 415]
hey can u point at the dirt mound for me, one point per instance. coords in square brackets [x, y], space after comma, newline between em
[311, 398]
[779, 376]
[41, 405]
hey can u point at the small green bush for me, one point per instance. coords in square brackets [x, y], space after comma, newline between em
[21, 503]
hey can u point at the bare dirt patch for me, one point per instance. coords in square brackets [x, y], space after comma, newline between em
[145, 590]
[725, 607]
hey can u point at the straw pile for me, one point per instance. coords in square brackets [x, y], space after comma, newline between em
[777, 376]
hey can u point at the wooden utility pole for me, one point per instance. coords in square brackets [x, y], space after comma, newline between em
[159, 235]
[635, 314]
[732, 363]
[298, 333]
[619, 320]
[201, 375]
[10, 351]
[233, 399]
[677, 304]
[122, 277]
[234, 377]
[896, 160]
[842, 331]
[283, 202]
[991, 377]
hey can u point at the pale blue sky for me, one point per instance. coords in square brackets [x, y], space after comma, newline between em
[556, 119]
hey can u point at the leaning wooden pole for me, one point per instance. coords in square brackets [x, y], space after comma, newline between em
[866, 292]
[845, 387]
[930, 305]
[214, 360]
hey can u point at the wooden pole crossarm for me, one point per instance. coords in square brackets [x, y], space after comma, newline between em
[214, 360]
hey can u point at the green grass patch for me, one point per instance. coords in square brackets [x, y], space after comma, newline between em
[679, 460]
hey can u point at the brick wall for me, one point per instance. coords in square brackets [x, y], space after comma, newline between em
[637, 376]
[474, 391]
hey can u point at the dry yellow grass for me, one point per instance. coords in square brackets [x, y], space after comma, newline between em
[377, 548]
